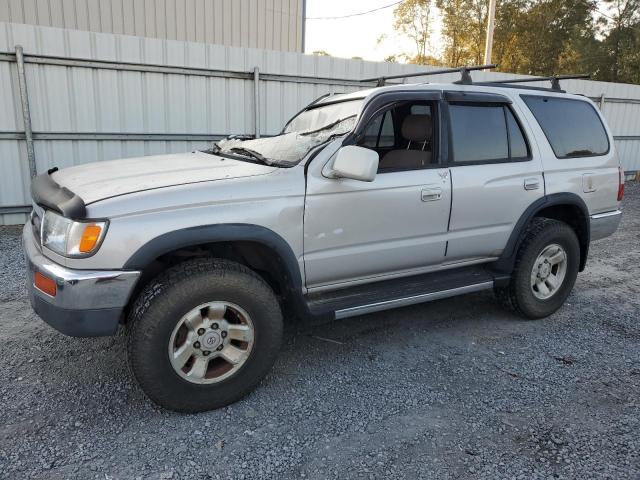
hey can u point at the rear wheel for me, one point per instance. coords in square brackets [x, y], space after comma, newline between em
[203, 335]
[546, 268]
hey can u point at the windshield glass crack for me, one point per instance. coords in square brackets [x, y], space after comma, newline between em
[307, 130]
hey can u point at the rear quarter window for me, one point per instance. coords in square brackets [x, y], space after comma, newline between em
[572, 127]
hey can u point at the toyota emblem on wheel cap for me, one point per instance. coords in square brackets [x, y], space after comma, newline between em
[211, 340]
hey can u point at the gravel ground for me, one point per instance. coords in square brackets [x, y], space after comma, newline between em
[453, 389]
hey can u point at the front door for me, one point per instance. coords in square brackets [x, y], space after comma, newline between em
[395, 225]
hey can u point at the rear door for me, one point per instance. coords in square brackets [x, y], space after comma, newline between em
[496, 173]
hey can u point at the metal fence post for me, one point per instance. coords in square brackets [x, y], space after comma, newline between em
[26, 113]
[256, 101]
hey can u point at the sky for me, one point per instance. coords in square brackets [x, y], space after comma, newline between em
[355, 36]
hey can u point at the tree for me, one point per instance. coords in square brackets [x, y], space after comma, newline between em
[454, 25]
[538, 37]
[552, 35]
[619, 58]
[413, 18]
[463, 30]
[320, 53]
[510, 21]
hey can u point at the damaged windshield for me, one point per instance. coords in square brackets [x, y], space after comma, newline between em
[308, 129]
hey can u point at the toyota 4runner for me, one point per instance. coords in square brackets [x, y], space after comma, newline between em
[366, 201]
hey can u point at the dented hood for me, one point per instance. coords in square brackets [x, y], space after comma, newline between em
[97, 181]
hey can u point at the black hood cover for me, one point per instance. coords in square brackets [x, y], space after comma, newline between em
[48, 194]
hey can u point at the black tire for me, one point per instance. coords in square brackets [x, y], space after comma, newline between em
[167, 299]
[518, 295]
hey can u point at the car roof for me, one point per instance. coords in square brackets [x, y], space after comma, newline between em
[507, 90]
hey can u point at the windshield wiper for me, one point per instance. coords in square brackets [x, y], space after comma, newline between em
[247, 152]
[215, 148]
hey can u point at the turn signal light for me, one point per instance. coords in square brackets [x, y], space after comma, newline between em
[45, 284]
[90, 237]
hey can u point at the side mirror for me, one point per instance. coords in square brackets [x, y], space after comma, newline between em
[356, 163]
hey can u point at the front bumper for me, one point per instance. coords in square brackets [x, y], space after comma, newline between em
[604, 224]
[88, 303]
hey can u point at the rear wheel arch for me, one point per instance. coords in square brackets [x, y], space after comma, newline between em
[566, 207]
[577, 218]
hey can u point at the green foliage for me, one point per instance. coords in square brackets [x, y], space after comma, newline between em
[617, 57]
[464, 27]
[413, 18]
[539, 37]
[543, 37]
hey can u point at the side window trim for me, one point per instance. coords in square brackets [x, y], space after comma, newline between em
[457, 96]
[383, 110]
[523, 132]
[506, 123]
[385, 99]
[384, 116]
[446, 115]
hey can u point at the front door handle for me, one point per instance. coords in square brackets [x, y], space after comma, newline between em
[431, 194]
[532, 183]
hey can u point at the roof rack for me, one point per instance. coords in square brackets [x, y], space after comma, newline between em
[555, 80]
[464, 72]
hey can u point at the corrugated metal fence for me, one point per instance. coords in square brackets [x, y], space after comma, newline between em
[95, 96]
[272, 24]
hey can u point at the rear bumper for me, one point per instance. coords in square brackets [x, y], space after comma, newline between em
[88, 303]
[604, 224]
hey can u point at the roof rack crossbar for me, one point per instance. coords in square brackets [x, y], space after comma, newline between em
[464, 72]
[555, 79]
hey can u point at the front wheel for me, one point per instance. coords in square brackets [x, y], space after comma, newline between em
[545, 271]
[203, 334]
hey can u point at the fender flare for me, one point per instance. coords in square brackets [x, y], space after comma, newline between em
[507, 260]
[203, 234]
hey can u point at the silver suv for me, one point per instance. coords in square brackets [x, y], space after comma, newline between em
[366, 201]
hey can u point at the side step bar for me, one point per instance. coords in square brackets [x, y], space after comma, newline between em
[406, 301]
[401, 292]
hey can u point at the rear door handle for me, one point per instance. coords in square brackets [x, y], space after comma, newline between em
[431, 194]
[532, 183]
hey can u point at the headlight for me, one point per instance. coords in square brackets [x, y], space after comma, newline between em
[71, 238]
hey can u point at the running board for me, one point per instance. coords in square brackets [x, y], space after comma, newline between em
[404, 302]
[401, 292]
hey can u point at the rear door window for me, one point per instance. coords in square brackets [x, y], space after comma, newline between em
[572, 127]
[485, 133]
[479, 133]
